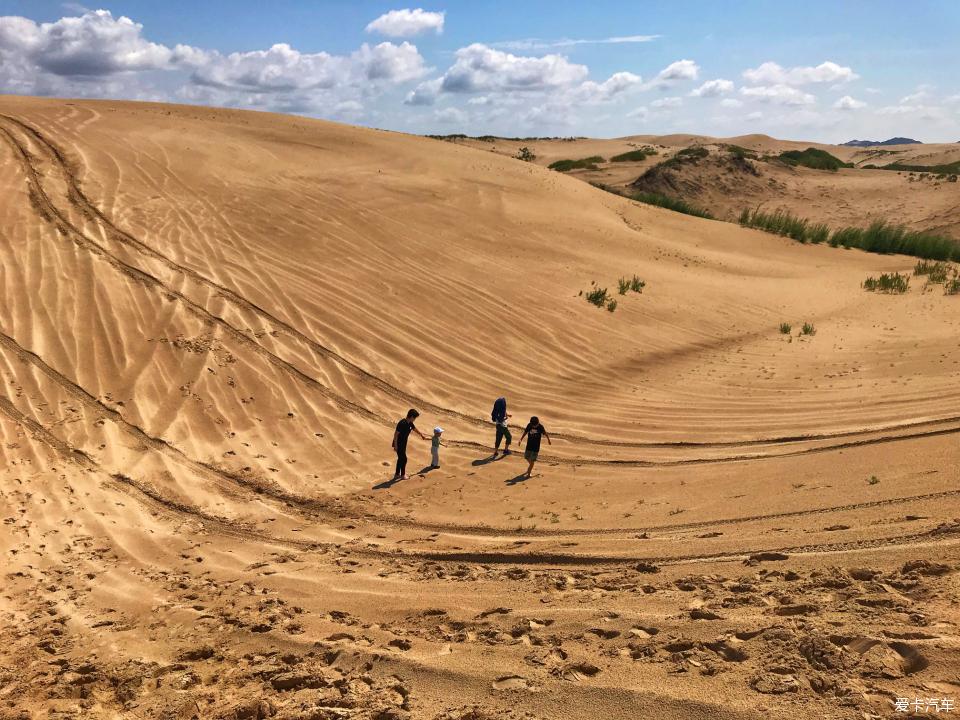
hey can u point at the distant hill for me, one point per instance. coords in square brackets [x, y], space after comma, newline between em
[891, 141]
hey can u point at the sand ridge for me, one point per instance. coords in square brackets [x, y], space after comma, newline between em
[212, 320]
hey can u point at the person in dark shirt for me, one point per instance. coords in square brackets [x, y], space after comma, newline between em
[500, 417]
[534, 432]
[400, 435]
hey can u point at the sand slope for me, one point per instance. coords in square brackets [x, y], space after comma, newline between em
[211, 321]
[850, 196]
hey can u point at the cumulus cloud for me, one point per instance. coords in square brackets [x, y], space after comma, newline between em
[407, 23]
[618, 83]
[713, 88]
[666, 103]
[676, 72]
[849, 103]
[731, 103]
[479, 68]
[95, 44]
[770, 73]
[922, 94]
[779, 94]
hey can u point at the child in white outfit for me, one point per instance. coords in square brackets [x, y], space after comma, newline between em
[435, 447]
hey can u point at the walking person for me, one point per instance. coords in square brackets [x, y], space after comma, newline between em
[400, 435]
[435, 447]
[534, 432]
[500, 417]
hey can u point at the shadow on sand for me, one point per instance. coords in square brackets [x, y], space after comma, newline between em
[387, 484]
[517, 479]
[489, 459]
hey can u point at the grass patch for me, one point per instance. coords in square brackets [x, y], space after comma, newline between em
[874, 480]
[740, 152]
[890, 283]
[785, 328]
[634, 155]
[687, 155]
[808, 329]
[598, 296]
[588, 163]
[611, 305]
[814, 159]
[952, 287]
[634, 283]
[881, 237]
[936, 272]
[675, 204]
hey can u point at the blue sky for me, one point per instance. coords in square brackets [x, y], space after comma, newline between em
[816, 70]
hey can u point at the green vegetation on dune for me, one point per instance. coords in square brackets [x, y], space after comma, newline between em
[814, 159]
[675, 204]
[634, 155]
[945, 169]
[880, 237]
[889, 283]
[588, 163]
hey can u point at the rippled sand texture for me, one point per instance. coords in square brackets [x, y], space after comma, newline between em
[210, 322]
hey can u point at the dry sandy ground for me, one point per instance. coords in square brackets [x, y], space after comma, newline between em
[854, 196]
[210, 322]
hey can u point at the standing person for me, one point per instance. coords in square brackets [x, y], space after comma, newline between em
[499, 417]
[534, 432]
[435, 447]
[400, 435]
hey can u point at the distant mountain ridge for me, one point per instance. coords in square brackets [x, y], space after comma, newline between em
[891, 141]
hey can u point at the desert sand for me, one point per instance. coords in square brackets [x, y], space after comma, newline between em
[848, 197]
[211, 320]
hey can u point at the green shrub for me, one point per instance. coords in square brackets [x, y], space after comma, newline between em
[785, 328]
[740, 152]
[675, 204]
[525, 154]
[611, 305]
[818, 233]
[634, 155]
[637, 285]
[936, 272]
[813, 158]
[598, 296]
[891, 283]
[623, 285]
[948, 168]
[952, 287]
[588, 163]
[808, 329]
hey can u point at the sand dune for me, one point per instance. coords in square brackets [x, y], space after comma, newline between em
[211, 321]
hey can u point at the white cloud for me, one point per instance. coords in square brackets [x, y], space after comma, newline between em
[770, 73]
[731, 103]
[479, 68]
[407, 23]
[538, 44]
[282, 68]
[425, 93]
[677, 71]
[779, 94]
[713, 88]
[95, 44]
[849, 103]
[922, 94]
[451, 115]
[666, 103]
[616, 84]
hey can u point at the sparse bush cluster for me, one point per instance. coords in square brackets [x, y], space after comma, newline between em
[602, 298]
[880, 237]
[635, 155]
[807, 329]
[687, 155]
[675, 204]
[525, 154]
[634, 284]
[890, 283]
[952, 287]
[588, 163]
[813, 158]
[936, 272]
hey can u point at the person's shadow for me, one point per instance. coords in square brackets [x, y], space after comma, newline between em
[387, 484]
[487, 460]
[516, 480]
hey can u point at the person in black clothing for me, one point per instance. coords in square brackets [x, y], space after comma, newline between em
[500, 417]
[534, 432]
[400, 435]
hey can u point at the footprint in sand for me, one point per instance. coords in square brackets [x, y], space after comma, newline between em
[511, 682]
